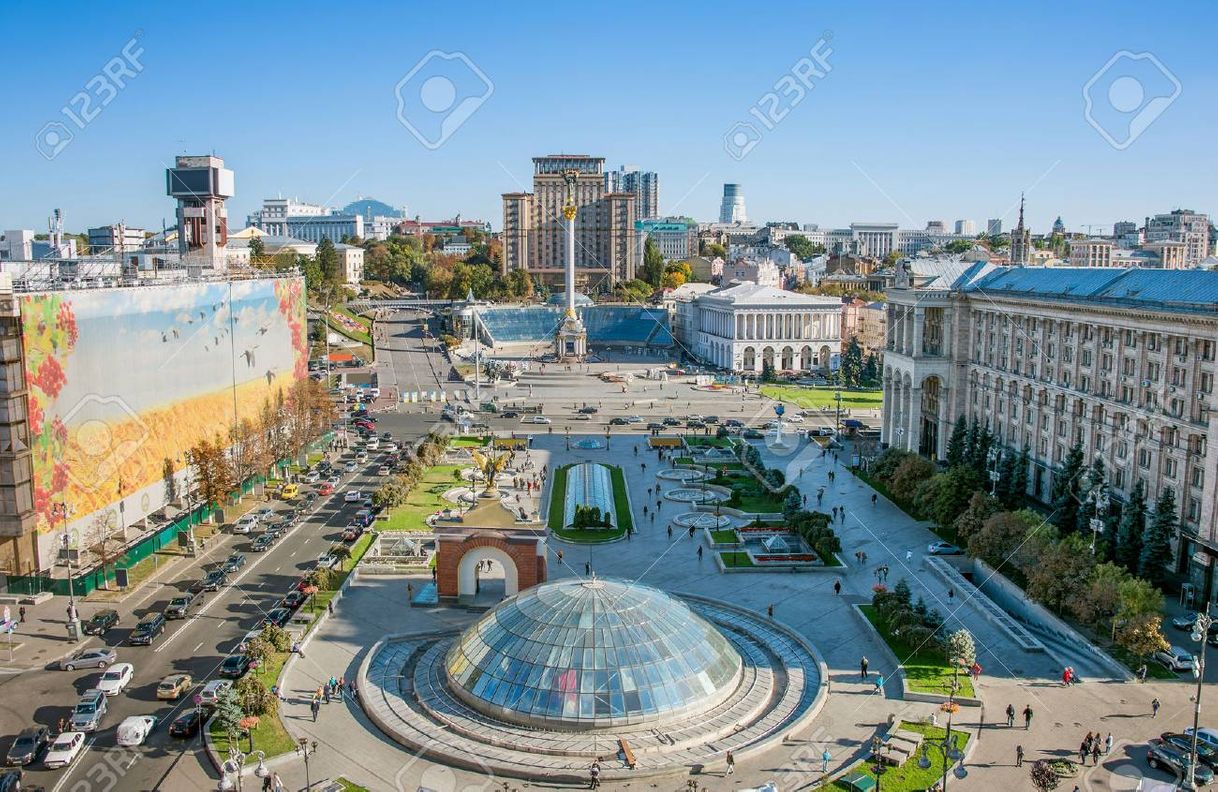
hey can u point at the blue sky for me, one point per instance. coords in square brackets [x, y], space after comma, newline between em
[947, 113]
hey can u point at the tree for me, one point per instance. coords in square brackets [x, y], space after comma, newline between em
[1100, 600]
[767, 371]
[520, 283]
[1142, 636]
[980, 508]
[909, 475]
[1006, 478]
[1061, 572]
[852, 362]
[672, 279]
[1066, 489]
[1131, 529]
[1094, 484]
[958, 246]
[791, 505]
[228, 714]
[803, 248]
[1019, 478]
[961, 649]
[871, 369]
[714, 250]
[1044, 778]
[1156, 543]
[327, 261]
[169, 480]
[653, 263]
[891, 258]
[944, 496]
[257, 250]
[957, 443]
[212, 472]
[254, 696]
[1006, 537]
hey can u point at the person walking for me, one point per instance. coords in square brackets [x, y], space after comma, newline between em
[315, 707]
[21, 614]
[1142, 673]
[1019, 756]
[879, 684]
[594, 775]
[699, 552]
[1108, 744]
[874, 498]
[908, 556]
[1027, 716]
[770, 612]
[1010, 715]
[837, 587]
[1095, 751]
[1154, 708]
[825, 756]
[731, 763]
[588, 568]
[1083, 751]
[863, 667]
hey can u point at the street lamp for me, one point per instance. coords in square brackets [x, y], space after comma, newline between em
[1201, 630]
[947, 746]
[235, 764]
[305, 749]
[992, 459]
[878, 766]
[61, 509]
[1098, 499]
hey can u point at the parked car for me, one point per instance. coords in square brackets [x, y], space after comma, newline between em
[262, 543]
[352, 532]
[233, 563]
[581, 417]
[134, 730]
[326, 561]
[670, 421]
[710, 419]
[943, 548]
[234, 666]
[589, 410]
[179, 607]
[1163, 756]
[655, 426]
[172, 687]
[212, 691]
[277, 528]
[793, 418]
[730, 422]
[10, 781]
[64, 750]
[277, 617]
[1205, 752]
[634, 419]
[1184, 621]
[87, 714]
[694, 424]
[115, 678]
[101, 622]
[187, 724]
[383, 470]
[244, 644]
[148, 630]
[29, 745]
[1204, 735]
[89, 658]
[293, 600]
[1176, 659]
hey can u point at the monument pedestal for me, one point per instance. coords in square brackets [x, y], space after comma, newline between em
[571, 343]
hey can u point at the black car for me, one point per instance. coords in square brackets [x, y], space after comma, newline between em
[694, 424]
[294, 599]
[179, 607]
[277, 529]
[619, 421]
[29, 745]
[101, 621]
[147, 630]
[233, 563]
[186, 725]
[262, 542]
[588, 410]
[278, 617]
[214, 580]
[509, 414]
[1205, 752]
[710, 419]
[234, 666]
[671, 421]
[752, 434]
[655, 426]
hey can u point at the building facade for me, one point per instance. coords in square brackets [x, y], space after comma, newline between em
[1182, 225]
[731, 210]
[743, 326]
[675, 237]
[1121, 361]
[644, 185]
[351, 263]
[533, 234]
[119, 238]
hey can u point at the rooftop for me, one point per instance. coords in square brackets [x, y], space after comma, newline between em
[744, 294]
[1188, 291]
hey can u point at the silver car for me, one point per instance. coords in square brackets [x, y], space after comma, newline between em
[89, 658]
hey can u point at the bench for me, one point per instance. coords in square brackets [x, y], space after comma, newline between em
[627, 753]
[859, 781]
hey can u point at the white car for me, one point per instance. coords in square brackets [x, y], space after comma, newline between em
[353, 496]
[211, 692]
[1176, 659]
[362, 456]
[538, 419]
[1204, 735]
[312, 477]
[793, 418]
[372, 444]
[383, 470]
[390, 448]
[64, 750]
[134, 730]
[246, 524]
[116, 678]
[326, 561]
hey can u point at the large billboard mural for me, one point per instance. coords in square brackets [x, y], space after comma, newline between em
[122, 380]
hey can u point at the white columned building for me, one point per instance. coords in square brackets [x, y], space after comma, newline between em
[742, 326]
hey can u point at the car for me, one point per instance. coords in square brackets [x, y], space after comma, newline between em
[1164, 756]
[172, 687]
[793, 418]
[277, 617]
[293, 599]
[352, 532]
[101, 622]
[312, 477]
[246, 524]
[327, 561]
[361, 457]
[694, 424]
[655, 426]
[350, 467]
[289, 491]
[509, 414]
[693, 417]
[538, 419]
[634, 419]
[28, 746]
[1204, 735]
[325, 488]
[148, 629]
[943, 548]
[277, 529]
[244, 644]
[89, 710]
[366, 503]
[730, 422]
[710, 419]
[214, 579]
[372, 444]
[134, 730]
[353, 496]
[383, 470]
[115, 678]
[391, 448]
[1207, 753]
[262, 543]
[670, 421]
[89, 658]
[234, 666]
[1185, 621]
[588, 410]
[179, 607]
[64, 750]
[10, 781]
[618, 421]
[234, 562]
[1176, 659]
[335, 480]
[753, 434]
[187, 724]
[581, 417]
[213, 690]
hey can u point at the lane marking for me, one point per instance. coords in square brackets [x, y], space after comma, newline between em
[197, 648]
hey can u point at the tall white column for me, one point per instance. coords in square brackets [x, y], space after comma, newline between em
[570, 222]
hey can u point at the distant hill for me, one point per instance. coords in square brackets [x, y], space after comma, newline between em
[370, 207]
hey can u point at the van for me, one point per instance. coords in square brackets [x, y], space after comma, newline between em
[87, 715]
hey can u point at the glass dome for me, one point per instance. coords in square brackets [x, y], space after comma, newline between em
[586, 654]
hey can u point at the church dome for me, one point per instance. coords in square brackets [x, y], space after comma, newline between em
[588, 654]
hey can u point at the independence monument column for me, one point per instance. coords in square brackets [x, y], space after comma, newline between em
[572, 340]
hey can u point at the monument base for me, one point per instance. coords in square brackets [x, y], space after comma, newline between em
[571, 343]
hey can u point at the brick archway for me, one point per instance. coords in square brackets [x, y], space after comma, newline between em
[488, 531]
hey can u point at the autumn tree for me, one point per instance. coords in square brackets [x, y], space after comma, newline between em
[909, 475]
[980, 508]
[213, 473]
[1061, 571]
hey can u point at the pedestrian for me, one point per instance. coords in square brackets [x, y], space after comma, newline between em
[1108, 744]
[699, 552]
[1019, 756]
[588, 568]
[731, 763]
[409, 592]
[560, 556]
[1027, 716]
[669, 531]
[874, 498]
[805, 497]
[879, 684]
[824, 761]
[62, 723]
[837, 587]
[1010, 715]
[1083, 751]
[1154, 708]
[315, 707]
[951, 594]
[976, 671]
[863, 667]
[908, 556]
[266, 784]
[341, 687]
[1142, 673]
[594, 775]
[330, 607]
[770, 610]
[1095, 751]
[21, 614]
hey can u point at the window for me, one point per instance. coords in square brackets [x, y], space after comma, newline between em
[1170, 467]
[1198, 478]
[1143, 459]
[1194, 510]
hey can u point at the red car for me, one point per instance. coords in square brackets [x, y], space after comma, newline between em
[325, 488]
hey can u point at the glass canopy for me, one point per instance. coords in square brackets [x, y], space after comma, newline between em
[587, 654]
[588, 484]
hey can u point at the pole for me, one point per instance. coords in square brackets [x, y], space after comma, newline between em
[1200, 628]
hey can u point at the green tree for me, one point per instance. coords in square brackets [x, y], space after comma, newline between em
[802, 247]
[961, 649]
[520, 283]
[1142, 636]
[1019, 477]
[958, 246]
[1066, 489]
[254, 696]
[653, 263]
[1006, 478]
[767, 371]
[712, 249]
[1061, 572]
[257, 250]
[852, 363]
[980, 508]
[945, 496]
[957, 443]
[1131, 529]
[909, 475]
[1153, 563]
[891, 258]
[1100, 599]
[327, 260]
[228, 714]
[871, 369]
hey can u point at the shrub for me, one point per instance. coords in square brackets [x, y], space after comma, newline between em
[277, 637]
[909, 475]
[254, 696]
[775, 478]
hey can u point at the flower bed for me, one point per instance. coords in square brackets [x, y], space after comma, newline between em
[786, 558]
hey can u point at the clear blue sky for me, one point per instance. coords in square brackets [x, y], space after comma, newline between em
[939, 110]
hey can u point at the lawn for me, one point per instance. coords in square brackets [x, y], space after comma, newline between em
[136, 575]
[925, 671]
[816, 397]
[724, 537]
[621, 507]
[707, 441]
[269, 735]
[736, 558]
[753, 495]
[909, 777]
[469, 442]
[347, 786]
[424, 500]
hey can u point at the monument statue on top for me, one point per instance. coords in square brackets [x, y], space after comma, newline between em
[572, 340]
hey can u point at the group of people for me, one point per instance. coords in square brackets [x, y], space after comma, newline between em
[1093, 746]
[332, 689]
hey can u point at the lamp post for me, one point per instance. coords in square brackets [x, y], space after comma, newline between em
[305, 749]
[947, 746]
[1099, 499]
[878, 767]
[992, 458]
[234, 766]
[61, 509]
[837, 422]
[1201, 630]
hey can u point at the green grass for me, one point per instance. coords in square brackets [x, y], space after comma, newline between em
[817, 397]
[136, 574]
[909, 777]
[1154, 669]
[724, 537]
[269, 735]
[925, 670]
[754, 497]
[707, 441]
[469, 442]
[347, 786]
[736, 558]
[621, 507]
[423, 501]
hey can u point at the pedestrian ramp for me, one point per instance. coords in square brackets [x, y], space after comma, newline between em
[1013, 629]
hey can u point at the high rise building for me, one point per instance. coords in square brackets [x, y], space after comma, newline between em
[1182, 225]
[1021, 240]
[993, 227]
[936, 227]
[604, 225]
[966, 227]
[644, 184]
[1123, 228]
[732, 208]
[201, 185]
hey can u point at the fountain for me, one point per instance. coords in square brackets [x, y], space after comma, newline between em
[696, 495]
[685, 475]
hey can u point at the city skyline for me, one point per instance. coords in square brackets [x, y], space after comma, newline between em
[851, 151]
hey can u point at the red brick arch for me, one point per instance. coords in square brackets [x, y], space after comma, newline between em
[521, 550]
